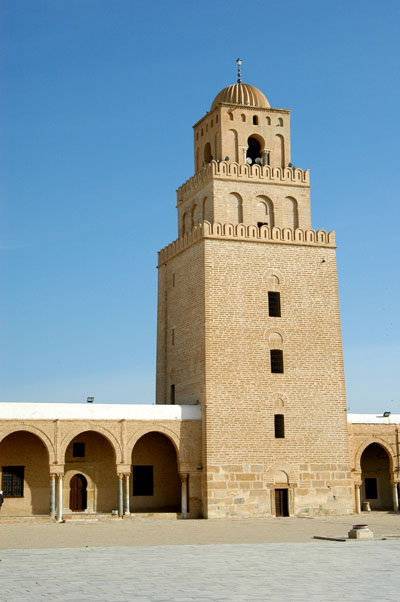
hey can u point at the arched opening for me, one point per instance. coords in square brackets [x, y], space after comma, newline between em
[90, 456]
[255, 120]
[253, 153]
[376, 487]
[78, 493]
[25, 481]
[207, 153]
[156, 485]
[230, 115]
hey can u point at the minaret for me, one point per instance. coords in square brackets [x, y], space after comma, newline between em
[248, 320]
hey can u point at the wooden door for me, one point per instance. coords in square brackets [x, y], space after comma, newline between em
[77, 494]
[281, 502]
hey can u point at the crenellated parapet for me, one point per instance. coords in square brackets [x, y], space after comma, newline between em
[225, 170]
[241, 232]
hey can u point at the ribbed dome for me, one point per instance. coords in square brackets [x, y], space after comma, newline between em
[241, 94]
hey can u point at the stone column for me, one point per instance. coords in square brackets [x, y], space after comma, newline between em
[127, 496]
[395, 497]
[358, 497]
[265, 156]
[53, 496]
[120, 495]
[60, 499]
[184, 493]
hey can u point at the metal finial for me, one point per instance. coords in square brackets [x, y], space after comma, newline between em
[239, 62]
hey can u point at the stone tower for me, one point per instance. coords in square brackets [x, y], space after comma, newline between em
[248, 320]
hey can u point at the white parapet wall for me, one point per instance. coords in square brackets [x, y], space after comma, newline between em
[91, 411]
[373, 419]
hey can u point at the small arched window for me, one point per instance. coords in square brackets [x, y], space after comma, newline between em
[243, 117]
[230, 115]
[268, 119]
[280, 122]
[255, 120]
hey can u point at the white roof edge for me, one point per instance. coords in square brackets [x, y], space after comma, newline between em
[373, 419]
[91, 411]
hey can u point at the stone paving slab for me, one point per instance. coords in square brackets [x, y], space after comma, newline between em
[315, 571]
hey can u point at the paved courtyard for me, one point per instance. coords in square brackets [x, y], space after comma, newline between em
[195, 569]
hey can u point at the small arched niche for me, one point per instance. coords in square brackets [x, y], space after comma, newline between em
[234, 209]
[264, 212]
[291, 214]
[207, 153]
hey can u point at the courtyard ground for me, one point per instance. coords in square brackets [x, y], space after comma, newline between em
[221, 560]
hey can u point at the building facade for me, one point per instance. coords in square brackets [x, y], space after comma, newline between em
[251, 413]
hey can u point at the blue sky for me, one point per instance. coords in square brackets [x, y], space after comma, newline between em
[98, 102]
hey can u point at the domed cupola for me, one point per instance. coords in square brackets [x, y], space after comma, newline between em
[241, 94]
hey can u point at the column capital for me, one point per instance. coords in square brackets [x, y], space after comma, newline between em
[123, 469]
[183, 476]
[56, 469]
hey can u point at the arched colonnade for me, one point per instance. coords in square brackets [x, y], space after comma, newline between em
[90, 468]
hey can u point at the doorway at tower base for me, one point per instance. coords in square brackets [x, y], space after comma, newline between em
[250, 490]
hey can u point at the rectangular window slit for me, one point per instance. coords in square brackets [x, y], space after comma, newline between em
[274, 304]
[276, 361]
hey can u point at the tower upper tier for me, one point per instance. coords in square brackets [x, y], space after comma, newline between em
[243, 173]
[242, 127]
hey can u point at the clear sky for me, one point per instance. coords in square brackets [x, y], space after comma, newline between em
[99, 99]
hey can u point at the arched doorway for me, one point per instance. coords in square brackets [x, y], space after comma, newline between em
[376, 487]
[156, 486]
[78, 493]
[24, 466]
[90, 481]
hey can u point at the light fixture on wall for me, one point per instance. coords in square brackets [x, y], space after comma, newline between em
[386, 414]
[90, 399]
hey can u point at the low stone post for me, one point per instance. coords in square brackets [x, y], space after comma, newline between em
[184, 492]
